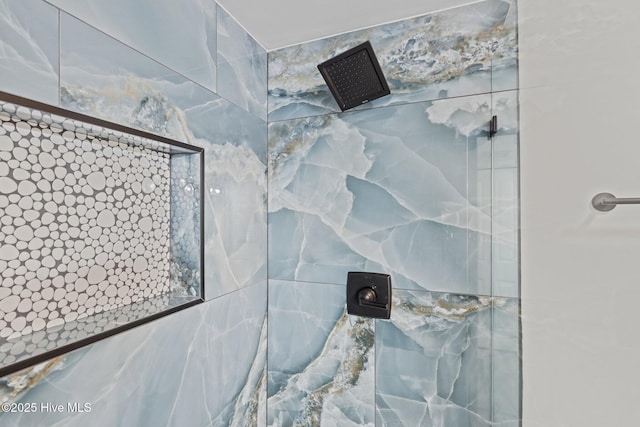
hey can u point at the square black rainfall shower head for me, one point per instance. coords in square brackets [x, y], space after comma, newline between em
[354, 77]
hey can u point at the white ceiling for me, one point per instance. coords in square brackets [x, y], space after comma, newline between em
[280, 23]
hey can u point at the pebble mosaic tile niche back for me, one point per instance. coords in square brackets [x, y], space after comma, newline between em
[88, 228]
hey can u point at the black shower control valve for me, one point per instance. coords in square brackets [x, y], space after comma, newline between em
[369, 294]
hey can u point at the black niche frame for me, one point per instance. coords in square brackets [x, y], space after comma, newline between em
[174, 147]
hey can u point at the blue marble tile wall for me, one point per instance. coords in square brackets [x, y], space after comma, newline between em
[321, 361]
[187, 71]
[442, 359]
[385, 189]
[413, 186]
[29, 38]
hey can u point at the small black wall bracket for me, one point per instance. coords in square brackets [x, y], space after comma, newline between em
[369, 294]
[493, 126]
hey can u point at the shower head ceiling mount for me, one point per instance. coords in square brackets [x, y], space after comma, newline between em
[354, 77]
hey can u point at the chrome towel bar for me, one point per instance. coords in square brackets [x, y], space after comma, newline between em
[604, 202]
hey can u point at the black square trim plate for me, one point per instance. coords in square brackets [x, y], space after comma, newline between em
[369, 294]
[354, 77]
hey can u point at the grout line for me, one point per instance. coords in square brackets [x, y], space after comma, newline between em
[386, 106]
[266, 362]
[291, 281]
[243, 288]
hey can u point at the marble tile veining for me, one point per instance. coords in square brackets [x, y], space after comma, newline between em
[435, 361]
[504, 63]
[104, 78]
[242, 67]
[181, 36]
[29, 49]
[332, 382]
[390, 190]
[441, 55]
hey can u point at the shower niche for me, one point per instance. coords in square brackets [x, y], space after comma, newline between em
[100, 230]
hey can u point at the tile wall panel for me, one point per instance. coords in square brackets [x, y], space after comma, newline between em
[181, 36]
[392, 190]
[242, 66]
[504, 65]
[29, 49]
[321, 361]
[436, 365]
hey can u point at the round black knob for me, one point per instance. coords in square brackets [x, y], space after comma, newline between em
[367, 294]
